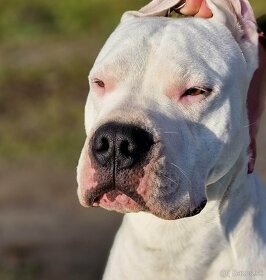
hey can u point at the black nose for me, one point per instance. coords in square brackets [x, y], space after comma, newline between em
[121, 145]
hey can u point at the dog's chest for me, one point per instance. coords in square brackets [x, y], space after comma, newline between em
[179, 251]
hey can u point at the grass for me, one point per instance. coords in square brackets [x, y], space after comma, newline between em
[259, 7]
[27, 272]
[47, 48]
[22, 20]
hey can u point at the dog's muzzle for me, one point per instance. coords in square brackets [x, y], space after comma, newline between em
[119, 153]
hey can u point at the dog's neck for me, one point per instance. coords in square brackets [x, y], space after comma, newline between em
[188, 239]
[232, 185]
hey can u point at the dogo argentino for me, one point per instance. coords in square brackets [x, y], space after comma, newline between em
[167, 140]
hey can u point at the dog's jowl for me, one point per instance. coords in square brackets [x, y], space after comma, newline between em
[167, 141]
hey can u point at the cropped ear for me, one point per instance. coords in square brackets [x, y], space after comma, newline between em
[238, 17]
[160, 7]
[155, 8]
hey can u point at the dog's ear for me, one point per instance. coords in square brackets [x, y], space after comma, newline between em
[238, 17]
[159, 7]
[154, 8]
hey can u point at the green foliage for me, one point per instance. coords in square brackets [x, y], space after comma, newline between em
[21, 20]
[47, 48]
[259, 7]
[28, 272]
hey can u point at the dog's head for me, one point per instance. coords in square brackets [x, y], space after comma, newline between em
[166, 112]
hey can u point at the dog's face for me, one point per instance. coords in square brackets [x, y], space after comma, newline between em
[165, 116]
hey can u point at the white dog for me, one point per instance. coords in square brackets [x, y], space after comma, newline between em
[167, 138]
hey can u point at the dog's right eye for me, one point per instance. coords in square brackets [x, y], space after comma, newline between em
[99, 83]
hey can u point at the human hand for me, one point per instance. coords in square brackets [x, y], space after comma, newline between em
[197, 8]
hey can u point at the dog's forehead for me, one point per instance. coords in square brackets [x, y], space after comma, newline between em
[178, 46]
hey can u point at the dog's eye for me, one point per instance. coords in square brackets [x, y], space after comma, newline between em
[195, 91]
[99, 83]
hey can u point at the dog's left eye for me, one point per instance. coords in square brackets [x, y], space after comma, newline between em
[99, 83]
[195, 91]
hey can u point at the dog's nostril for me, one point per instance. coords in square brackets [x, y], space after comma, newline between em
[102, 145]
[127, 148]
[146, 144]
[102, 148]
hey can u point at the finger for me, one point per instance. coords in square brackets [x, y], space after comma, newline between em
[191, 7]
[204, 11]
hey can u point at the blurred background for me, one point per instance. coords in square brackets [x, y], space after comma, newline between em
[46, 51]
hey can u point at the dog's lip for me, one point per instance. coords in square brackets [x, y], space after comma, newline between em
[197, 210]
[120, 202]
[111, 195]
[95, 198]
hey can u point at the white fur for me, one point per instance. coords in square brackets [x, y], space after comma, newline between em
[205, 148]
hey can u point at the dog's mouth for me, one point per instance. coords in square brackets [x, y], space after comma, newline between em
[115, 199]
[128, 201]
